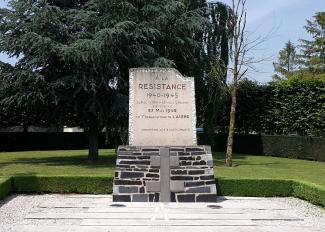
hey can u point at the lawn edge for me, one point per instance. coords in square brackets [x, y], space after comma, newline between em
[101, 184]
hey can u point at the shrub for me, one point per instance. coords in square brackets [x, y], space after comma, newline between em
[63, 184]
[5, 187]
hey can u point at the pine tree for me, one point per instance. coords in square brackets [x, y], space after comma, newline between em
[313, 51]
[287, 62]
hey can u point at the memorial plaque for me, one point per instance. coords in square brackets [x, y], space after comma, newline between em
[162, 108]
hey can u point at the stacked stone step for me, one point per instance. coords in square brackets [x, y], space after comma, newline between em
[191, 175]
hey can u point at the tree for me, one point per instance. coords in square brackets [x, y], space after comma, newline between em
[74, 56]
[287, 62]
[241, 62]
[313, 51]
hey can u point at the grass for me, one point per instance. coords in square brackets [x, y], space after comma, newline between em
[70, 162]
[74, 162]
[70, 172]
[266, 167]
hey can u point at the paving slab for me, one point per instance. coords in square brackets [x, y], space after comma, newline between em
[97, 213]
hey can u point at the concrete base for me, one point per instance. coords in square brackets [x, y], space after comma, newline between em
[165, 174]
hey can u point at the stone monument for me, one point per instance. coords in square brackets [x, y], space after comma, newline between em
[163, 161]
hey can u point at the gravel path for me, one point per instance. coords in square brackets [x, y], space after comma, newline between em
[69, 212]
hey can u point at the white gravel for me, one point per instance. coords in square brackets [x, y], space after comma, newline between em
[15, 209]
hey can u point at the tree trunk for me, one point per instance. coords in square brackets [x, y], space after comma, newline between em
[231, 125]
[93, 138]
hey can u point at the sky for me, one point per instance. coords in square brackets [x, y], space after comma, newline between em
[276, 20]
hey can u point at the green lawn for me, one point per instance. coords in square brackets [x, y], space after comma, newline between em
[75, 163]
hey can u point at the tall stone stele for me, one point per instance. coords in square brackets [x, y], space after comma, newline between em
[163, 161]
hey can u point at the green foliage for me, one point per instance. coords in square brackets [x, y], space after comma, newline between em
[254, 103]
[299, 105]
[313, 51]
[287, 62]
[64, 184]
[315, 194]
[5, 187]
[254, 187]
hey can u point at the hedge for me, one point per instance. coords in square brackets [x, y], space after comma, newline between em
[103, 185]
[298, 147]
[5, 187]
[63, 184]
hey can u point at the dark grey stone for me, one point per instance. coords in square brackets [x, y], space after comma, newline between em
[150, 149]
[126, 157]
[179, 172]
[135, 162]
[194, 149]
[128, 189]
[131, 175]
[194, 183]
[181, 178]
[186, 198]
[152, 175]
[122, 198]
[204, 189]
[206, 198]
[209, 177]
[154, 170]
[195, 172]
[140, 197]
[201, 162]
[127, 182]
[196, 153]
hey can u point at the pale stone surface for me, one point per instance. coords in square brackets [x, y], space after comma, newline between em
[97, 213]
[161, 108]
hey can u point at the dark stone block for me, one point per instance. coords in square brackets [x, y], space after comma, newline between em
[135, 162]
[127, 182]
[128, 189]
[141, 190]
[140, 198]
[194, 149]
[194, 183]
[143, 157]
[179, 172]
[154, 197]
[126, 157]
[195, 172]
[156, 170]
[186, 198]
[122, 198]
[206, 198]
[201, 162]
[131, 175]
[209, 177]
[183, 153]
[172, 197]
[181, 178]
[150, 149]
[198, 158]
[116, 174]
[123, 166]
[210, 182]
[152, 175]
[204, 189]
[185, 163]
[198, 153]
[186, 158]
